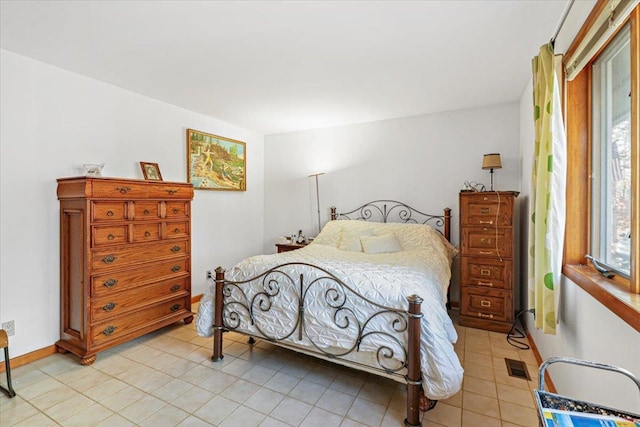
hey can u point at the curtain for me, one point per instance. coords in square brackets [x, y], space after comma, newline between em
[547, 200]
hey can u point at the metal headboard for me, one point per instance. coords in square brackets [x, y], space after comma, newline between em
[394, 211]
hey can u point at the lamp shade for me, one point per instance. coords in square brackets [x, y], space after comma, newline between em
[491, 161]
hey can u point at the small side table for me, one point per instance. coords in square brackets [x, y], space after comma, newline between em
[286, 247]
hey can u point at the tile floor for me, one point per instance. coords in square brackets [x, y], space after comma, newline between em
[166, 379]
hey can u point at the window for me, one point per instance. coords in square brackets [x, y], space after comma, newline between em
[602, 113]
[611, 156]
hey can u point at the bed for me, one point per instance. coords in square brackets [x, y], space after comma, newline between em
[370, 293]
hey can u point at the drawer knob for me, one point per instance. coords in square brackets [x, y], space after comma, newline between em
[176, 210]
[485, 198]
[175, 249]
[485, 210]
[175, 268]
[146, 212]
[170, 191]
[147, 233]
[486, 253]
[111, 283]
[485, 303]
[109, 307]
[487, 222]
[175, 307]
[485, 240]
[175, 288]
[123, 190]
[109, 259]
[485, 272]
[485, 283]
[176, 230]
[109, 213]
[109, 330]
[111, 236]
[486, 316]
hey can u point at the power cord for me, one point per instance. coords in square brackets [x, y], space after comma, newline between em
[496, 227]
[515, 334]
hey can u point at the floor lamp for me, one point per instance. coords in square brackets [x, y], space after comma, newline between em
[316, 175]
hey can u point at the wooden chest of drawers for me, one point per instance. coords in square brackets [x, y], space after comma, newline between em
[125, 260]
[487, 260]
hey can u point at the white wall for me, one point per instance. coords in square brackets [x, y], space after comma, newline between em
[586, 329]
[422, 160]
[53, 121]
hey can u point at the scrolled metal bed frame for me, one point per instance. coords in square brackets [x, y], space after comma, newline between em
[235, 307]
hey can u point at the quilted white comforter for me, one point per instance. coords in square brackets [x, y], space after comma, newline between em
[421, 267]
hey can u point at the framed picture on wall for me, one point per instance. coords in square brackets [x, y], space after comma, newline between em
[151, 171]
[215, 162]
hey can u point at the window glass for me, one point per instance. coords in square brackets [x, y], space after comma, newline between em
[611, 157]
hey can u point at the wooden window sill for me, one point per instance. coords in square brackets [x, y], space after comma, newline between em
[619, 300]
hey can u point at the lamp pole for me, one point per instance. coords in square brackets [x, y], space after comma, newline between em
[317, 197]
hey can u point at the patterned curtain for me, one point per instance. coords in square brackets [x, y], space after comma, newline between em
[547, 202]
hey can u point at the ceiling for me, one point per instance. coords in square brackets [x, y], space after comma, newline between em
[282, 66]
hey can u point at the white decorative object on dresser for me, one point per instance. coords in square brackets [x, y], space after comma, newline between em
[125, 260]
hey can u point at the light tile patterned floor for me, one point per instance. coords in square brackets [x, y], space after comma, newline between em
[166, 379]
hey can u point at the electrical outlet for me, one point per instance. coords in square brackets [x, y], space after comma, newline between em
[9, 327]
[209, 274]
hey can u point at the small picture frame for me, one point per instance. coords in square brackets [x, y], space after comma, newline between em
[151, 171]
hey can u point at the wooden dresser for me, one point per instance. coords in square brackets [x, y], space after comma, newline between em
[125, 260]
[487, 260]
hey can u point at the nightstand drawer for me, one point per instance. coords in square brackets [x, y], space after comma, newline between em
[486, 210]
[487, 241]
[487, 304]
[486, 272]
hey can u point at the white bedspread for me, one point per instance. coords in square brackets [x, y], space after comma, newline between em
[421, 268]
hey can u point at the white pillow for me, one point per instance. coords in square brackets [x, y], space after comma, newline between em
[330, 234]
[387, 243]
[350, 240]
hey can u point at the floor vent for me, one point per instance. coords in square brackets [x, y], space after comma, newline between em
[517, 369]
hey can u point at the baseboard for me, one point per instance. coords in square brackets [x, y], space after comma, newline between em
[48, 351]
[549, 386]
[25, 359]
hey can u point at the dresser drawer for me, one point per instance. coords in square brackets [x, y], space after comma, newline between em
[177, 229]
[146, 232]
[125, 255]
[177, 209]
[109, 235]
[121, 302]
[145, 210]
[488, 272]
[486, 210]
[109, 189]
[116, 327]
[108, 211]
[487, 304]
[487, 241]
[108, 283]
[171, 191]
